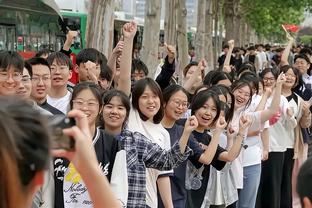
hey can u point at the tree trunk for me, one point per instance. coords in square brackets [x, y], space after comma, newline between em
[229, 19]
[151, 35]
[237, 20]
[200, 30]
[216, 30]
[182, 36]
[100, 26]
[208, 53]
[171, 22]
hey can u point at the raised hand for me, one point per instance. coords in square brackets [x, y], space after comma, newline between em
[221, 123]
[231, 43]
[118, 49]
[91, 71]
[281, 79]
[244, 123]
[191, 124]
[70, 36]
[171, 52]
[129, 30]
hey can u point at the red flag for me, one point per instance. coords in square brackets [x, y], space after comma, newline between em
[292, 28]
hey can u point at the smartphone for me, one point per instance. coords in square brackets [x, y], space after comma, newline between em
[58, 139]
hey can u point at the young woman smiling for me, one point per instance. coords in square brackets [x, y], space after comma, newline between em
[141, 152]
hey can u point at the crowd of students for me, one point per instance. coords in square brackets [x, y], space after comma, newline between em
[234, 137]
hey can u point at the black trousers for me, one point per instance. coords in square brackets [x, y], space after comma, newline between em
[275, 184]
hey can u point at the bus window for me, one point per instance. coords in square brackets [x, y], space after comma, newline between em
[7, 37]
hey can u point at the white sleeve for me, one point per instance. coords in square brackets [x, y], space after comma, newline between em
[119, 177]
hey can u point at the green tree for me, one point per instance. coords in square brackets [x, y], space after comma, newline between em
[267, 16]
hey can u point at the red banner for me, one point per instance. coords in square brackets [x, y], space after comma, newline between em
[292, 28]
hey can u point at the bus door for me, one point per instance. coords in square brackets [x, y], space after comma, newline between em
[7, 37]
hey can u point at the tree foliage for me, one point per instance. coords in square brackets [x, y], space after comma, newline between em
[267, 16]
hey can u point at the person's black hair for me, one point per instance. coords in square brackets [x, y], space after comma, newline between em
[139, 65]
[285, 69]
[106, 73]
[43, 52]
[304, 181]
[139, 89]
[213, 77]
[171, 90]
[38, 61]
[28, 67]
[306, 51]
[11, 59]
[248, 66]
[225, 46]
[201, 88]
[60, 58]
[28, 134]
[267, 47]
[240, 84]
[274, 71]
[251, 48]
[90, 54]
[94, 88]
[201, 98]
[302, 56]
[251, 77]
[224, 90]
[109, 95]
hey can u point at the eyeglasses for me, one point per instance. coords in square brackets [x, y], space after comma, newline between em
[44, 78]
[60, 68]
[179, 103]
[90, 103]
[16, 76]
[25, 79]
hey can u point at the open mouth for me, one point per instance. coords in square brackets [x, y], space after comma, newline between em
[240, 101]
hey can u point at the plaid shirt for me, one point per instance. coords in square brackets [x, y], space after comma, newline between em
[142, 154]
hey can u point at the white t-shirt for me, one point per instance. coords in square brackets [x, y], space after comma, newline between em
[253, 152]
[61, 104]
[159, 135]
[237, 164]
[279, 125]
[262, 59]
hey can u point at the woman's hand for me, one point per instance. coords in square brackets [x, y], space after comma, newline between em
[191, 124]
[129, 30]
[221, 123]
[244, 124]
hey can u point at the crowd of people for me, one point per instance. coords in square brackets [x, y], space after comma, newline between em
[233, 137]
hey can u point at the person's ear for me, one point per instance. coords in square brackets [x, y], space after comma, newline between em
[76, 68]
[70, 74]
[37, 181]
[306, 202]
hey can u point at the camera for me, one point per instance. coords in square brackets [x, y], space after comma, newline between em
[58, 139]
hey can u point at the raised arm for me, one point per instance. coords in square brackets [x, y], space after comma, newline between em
[233, 152]
[228, 57]
[111, 63]
[264, 98]
[124, 82]
[167, 69]
[196, 77]
[70, 36]
[210, 151]
[285, 55]
[273, 108]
